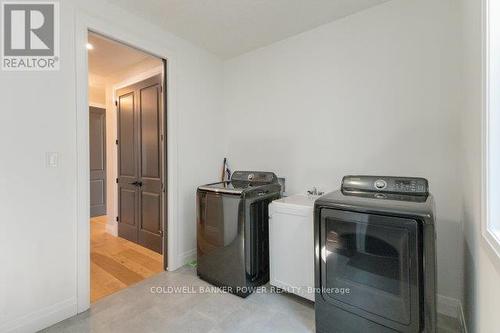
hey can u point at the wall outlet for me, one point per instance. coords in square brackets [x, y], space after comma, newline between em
[282, 182]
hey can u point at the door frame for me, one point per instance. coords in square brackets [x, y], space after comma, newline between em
[83, 24]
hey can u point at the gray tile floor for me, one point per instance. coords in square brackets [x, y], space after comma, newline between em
[137, 309]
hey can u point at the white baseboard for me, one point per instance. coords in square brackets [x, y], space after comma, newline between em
[448, 306]
[187, 257]
[182, 260]
[40, 319]
[112, 228]
[461, 319]
[452, 307]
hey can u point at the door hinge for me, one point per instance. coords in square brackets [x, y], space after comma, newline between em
[117, 219]
[116, 141]
[117, 180]
[161, 88]
[160, 232]
[116, 103]
[161, 137]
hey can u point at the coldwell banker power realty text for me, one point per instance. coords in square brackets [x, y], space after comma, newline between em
[30, 36]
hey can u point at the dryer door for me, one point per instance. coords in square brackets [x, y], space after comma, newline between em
[369, 265]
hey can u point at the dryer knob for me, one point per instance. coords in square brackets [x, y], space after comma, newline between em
[380, 184]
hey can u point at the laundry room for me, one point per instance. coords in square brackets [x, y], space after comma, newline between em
[328, 106]
[319, 106]
[250, 166]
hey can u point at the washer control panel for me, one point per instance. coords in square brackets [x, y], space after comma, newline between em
[254, 177]
[405, 185]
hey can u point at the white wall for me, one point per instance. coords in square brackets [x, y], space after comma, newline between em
[96, 90]
[374, 93]
[97, 95]
[482, 267]
[38, 204]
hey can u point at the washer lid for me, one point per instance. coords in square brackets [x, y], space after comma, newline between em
[225, 187]
[241, 181]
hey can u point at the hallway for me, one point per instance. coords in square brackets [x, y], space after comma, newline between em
[117, 263]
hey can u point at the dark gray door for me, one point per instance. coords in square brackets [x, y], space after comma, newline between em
[97, 127]
[140, 176]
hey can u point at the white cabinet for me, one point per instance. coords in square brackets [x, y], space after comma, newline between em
[291, 245]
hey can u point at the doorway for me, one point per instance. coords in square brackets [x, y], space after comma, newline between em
[97, 144]
[127, 158]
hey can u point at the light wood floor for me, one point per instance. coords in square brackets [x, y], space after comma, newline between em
[116, 263]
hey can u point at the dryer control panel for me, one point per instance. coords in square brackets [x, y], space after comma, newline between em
[387, 184]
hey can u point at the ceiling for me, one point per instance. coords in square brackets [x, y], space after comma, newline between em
[229, 28]
[108, 57]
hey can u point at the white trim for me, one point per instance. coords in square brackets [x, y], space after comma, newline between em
[97, 105]
[84, 23]
[490, 236]
[83, 173]
[453, 308]
[112, 228]
[448, 306]
[40, 319]
[187, 257]
[461, 319]
[137, 78]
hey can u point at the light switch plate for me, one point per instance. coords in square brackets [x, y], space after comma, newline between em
[52, 159]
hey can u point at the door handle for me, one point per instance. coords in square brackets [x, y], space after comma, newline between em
[139, 184]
